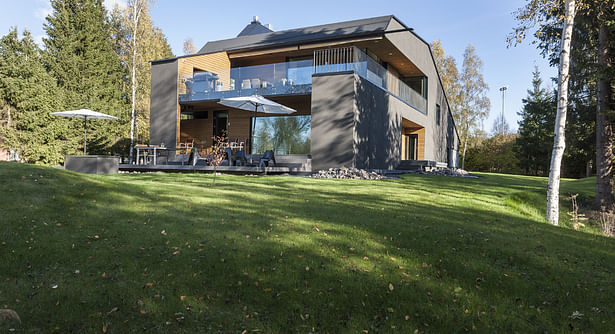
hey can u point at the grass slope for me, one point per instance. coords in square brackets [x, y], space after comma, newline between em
[166, 253]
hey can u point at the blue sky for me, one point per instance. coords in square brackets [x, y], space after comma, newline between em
[484, 23]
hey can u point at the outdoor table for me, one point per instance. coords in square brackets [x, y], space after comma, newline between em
[155, 149]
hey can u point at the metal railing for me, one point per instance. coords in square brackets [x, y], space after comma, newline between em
[353, 59]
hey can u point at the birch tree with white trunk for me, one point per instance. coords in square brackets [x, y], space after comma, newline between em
[135, 7]
[474, 104]
[559, 142]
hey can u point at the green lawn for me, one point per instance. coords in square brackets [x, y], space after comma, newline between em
[167, 253]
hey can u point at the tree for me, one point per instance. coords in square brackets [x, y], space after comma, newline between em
[537, 118]
[474, 103]
[605, 107]
[189, 47]
[500, 126]
[559, 143]
[150, 44]
[592, 59]
[495, 154]
[28, 95]
[79, 54]
[541, 11]
[449, 74]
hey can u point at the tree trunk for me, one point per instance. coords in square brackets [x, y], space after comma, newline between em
[136, 11]
[465, 145]
[559, 143]
[604, 130]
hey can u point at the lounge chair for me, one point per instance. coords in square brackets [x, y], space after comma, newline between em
[267, 159]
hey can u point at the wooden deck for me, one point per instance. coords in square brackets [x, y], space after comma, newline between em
[204, 169]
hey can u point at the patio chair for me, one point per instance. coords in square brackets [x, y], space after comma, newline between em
[229, 157]
[195, 157]
[267, 159]
[240, 158]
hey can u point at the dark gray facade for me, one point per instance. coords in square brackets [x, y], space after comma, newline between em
[163, 106]
[356, 123]
[333, 120]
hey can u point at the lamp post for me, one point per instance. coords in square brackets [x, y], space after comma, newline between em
[503, 90]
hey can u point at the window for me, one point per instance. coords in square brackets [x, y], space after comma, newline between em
[437, 114]
[282, 134]
[190, 115]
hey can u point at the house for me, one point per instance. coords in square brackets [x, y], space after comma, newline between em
[367, 95]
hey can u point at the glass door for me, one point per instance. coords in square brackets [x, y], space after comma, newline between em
[220, 121]
[410, 151]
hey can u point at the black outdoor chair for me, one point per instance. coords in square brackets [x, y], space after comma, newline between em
[195, 157]
[240, 159]
[229, 157]
[267, 159]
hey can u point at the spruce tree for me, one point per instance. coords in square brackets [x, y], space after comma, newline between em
[80, 55]
[31, 94]
[535, 139]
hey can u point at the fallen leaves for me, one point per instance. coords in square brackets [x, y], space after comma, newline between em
[6, 314]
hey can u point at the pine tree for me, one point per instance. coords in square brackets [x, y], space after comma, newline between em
[80, 55]
[31, 95]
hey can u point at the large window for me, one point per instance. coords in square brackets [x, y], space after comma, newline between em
[282, 134]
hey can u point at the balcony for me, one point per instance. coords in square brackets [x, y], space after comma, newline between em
[295, 78]
[280, 79]
[352, 59]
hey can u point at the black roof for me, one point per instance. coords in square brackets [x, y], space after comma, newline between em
[254, 28]
[326, 31]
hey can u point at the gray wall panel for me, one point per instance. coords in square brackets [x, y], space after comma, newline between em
[163, 104]
[378, 128]
[438, 138]
[332, 121]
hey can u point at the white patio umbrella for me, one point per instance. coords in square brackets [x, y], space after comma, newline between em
[85, 114]
[256, 103]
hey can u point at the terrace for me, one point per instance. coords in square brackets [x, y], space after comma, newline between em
[295, 78]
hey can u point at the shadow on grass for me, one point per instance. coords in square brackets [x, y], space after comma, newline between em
[252, 253]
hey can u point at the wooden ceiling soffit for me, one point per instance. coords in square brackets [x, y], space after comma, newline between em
[335, 43]
[262, 52]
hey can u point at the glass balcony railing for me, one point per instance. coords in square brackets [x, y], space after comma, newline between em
[353, 59]
[295, 78]
[289, 78]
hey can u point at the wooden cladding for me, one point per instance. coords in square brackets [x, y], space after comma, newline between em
[218, 63]
[420, 142]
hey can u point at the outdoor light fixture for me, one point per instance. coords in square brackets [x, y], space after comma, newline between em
[503, 90]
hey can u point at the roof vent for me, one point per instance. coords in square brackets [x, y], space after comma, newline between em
[269, 26]
[255, 19]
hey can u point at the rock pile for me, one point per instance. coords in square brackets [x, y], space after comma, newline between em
[347, 173]
[448, 172]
